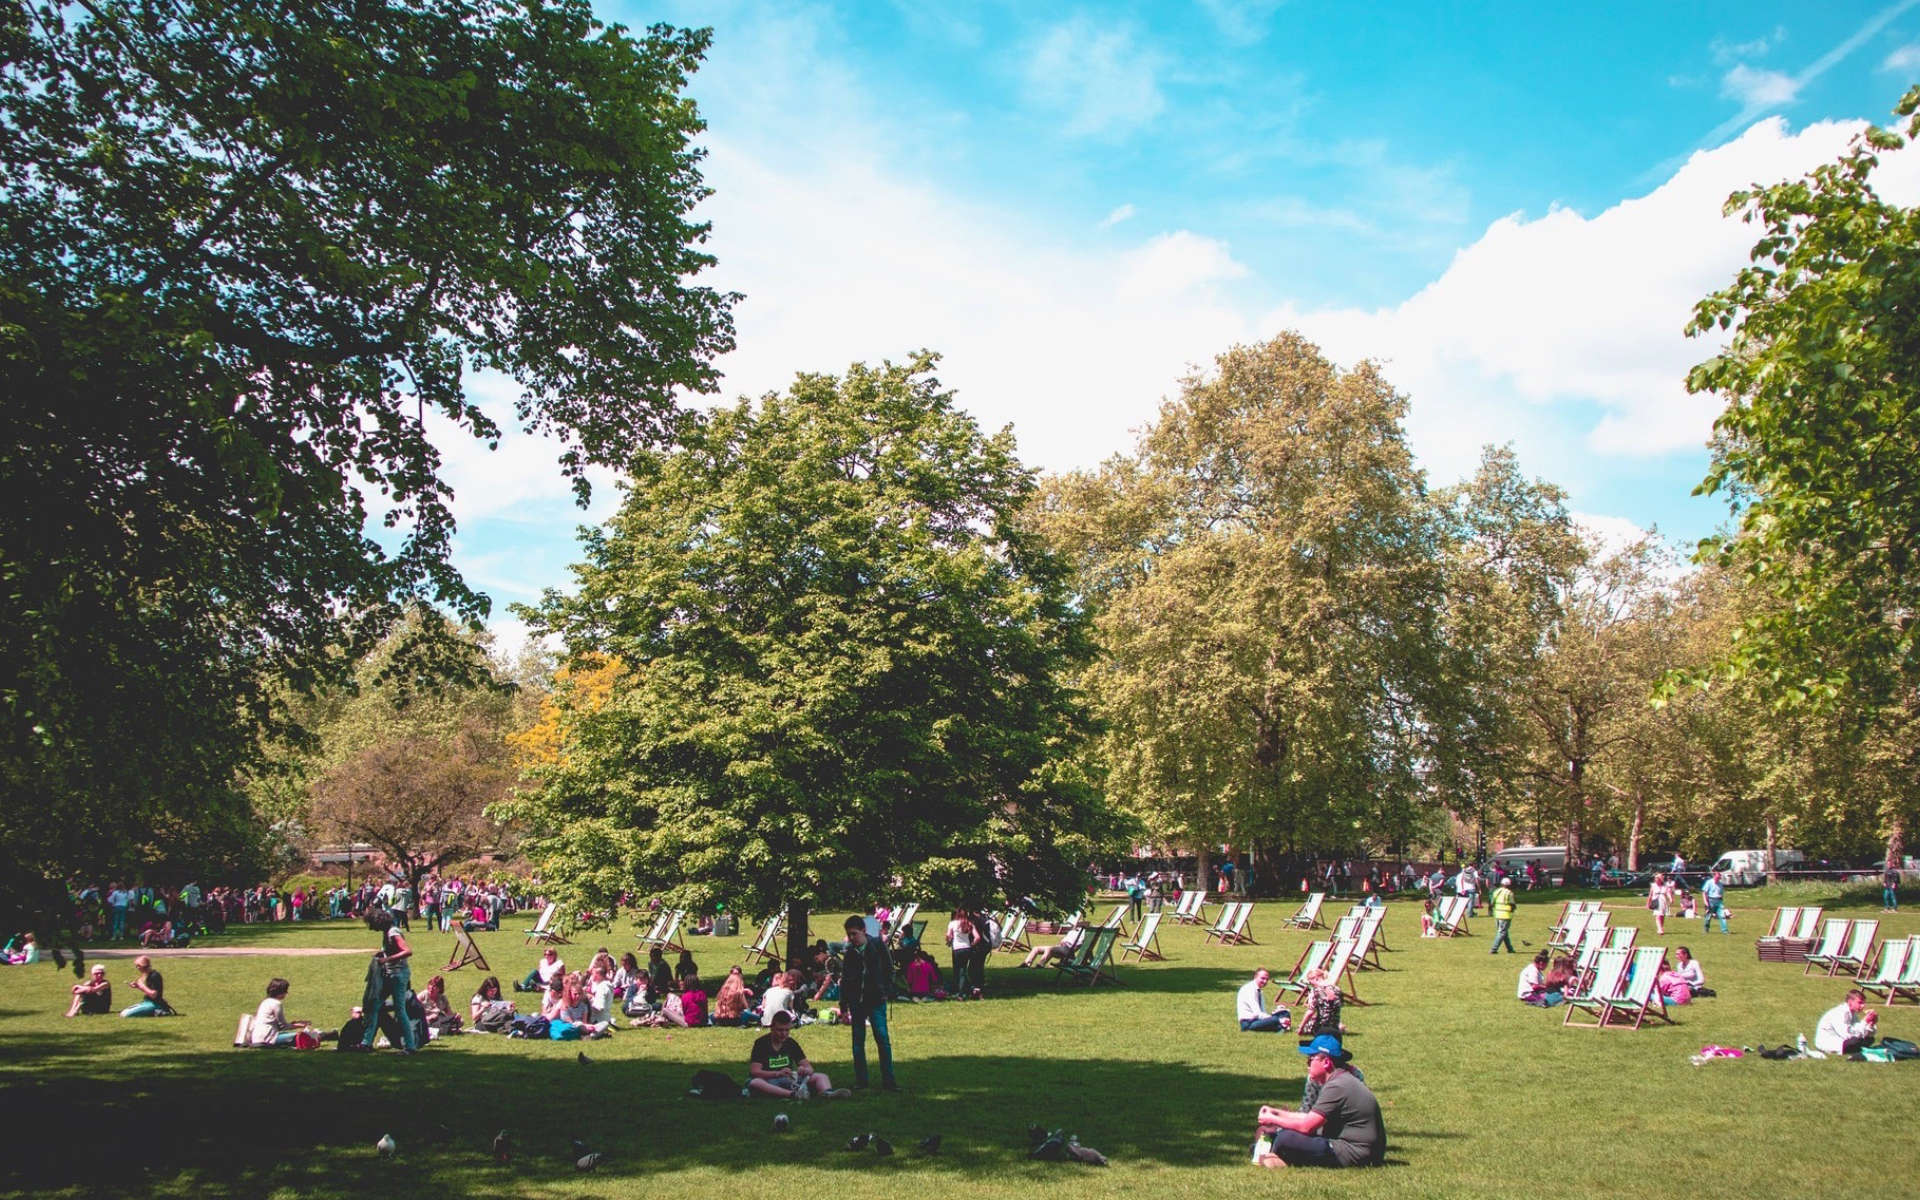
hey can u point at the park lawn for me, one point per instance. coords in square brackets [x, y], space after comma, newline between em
[1479, 1091]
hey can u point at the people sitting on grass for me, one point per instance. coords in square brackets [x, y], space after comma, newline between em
[23, 951]
[778, 998]
[544, 972]
[1061, 950]
[693, 1002]
[1427, 927]
[94, 997]
[440, 1016]
[1250, 1006]
[271, 1027]
[573, 1017]
[1532, 988]
[1688, 969]
[1848, 1026]
[1340, 1127]
[489, 1011]
[152, 988]
[733, 1005]
[1321, 1003]
[778, 1067]
[923, 976]
[626, 977]
[1672, 986]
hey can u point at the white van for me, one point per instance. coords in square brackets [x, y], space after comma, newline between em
[1514, 859]
[1744, 868]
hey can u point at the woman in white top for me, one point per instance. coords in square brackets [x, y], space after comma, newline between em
[1688, 969]
[1659, 896]
[778, 998]
[960, 935]
[270, 1024]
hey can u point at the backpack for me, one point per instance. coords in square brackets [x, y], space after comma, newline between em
[990, 934]
[712, 1085]
[495, 1018]
[1899, 1048]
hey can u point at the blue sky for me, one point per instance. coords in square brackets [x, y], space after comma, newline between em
[1512, 206]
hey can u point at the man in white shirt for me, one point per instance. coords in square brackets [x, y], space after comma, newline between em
[1846, 1026]
[1251, 1007]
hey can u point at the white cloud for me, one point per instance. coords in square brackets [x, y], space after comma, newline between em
[1098, 78]
[1906, 58]
[1123, 213]
[1242, 21]
[1725, 51]
[1758, 88]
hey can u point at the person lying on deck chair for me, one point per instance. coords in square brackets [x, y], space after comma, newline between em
[1062, 950]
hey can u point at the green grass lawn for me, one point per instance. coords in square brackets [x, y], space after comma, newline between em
[1481, 1094]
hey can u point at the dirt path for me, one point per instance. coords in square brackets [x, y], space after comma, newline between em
[230, 952]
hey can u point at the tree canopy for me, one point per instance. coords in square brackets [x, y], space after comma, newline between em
[249, 253]
[813, 652]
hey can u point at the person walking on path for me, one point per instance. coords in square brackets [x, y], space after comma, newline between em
[1659, 896]
[1713, 895]
[1501, 903]
[1890, 889]
[866, 984]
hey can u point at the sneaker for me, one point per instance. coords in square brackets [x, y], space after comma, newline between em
[839, 1093]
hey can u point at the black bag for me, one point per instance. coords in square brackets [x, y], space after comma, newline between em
[1900, 1048]
[496, 1018]
[712, 1085]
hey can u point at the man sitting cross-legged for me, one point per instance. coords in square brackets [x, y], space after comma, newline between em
[1252, 1008]
[778, 1067]
[1342, 1127]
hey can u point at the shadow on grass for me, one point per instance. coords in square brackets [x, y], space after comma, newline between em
[157, 1121]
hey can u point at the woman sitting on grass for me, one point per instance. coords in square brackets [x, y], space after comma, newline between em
[1688, 969]
[1673, 986]
[734, 1004]
[23, 951]
[94, 997]
[1323, 1003]
[922, 974]
[575, 1017]
[488, 1011]
[270, 1024]
[152, 989]
[439, 1014]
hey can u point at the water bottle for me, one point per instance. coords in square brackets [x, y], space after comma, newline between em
[1801, 1043]
[1262, 1148]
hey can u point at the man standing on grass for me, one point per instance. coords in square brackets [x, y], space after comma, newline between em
[1501, 903]
[1343, 1127]
[1713, 895]
[866, 983]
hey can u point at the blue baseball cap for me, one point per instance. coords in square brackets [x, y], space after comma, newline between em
[1327, 1044]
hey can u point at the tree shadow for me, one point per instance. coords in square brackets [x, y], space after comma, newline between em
[250, 1122]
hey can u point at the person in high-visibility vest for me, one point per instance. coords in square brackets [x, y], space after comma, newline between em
[1501, 902]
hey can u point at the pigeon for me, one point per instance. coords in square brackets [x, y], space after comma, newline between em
[579, 1147]
[859, 1141]
[584, 1060]
[588, 1162]
[386, 1146]
[930, 1144]
[779, 1122]
[1085, 1154]
[882, 1147]
[502, 1147]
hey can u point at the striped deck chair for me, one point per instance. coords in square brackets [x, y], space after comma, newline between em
[1145, 943]
[1014, 937]
[762, 946]
[1366, 940]
[1346, 926]
[1584, 958]
[653, 932]
[1308, 914]
[543, 930]
[1240, 933]
[1450, 919]
[1859, 949]
[1833, 939]
[1314, 957]
[1187, 912]
[904, 919]
[669, 939]
[1570, 910]
[1092, 964]
[1771, 946]
[1639, 998]
[1570, 935]
[1609, 974]
[1117, 919]
[1224, 922]
[1621, 937]
[1339, 966]
[1895, 957]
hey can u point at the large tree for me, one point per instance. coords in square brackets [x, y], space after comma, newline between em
[249, 253]
[836, 659]
[1819, 446]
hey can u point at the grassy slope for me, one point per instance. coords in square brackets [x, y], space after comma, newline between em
[1480, 1092]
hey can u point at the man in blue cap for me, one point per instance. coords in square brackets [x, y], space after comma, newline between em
[1342, 1128]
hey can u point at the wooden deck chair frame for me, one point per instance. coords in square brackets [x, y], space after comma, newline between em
[1184, 906]
[1146, 941]
[1570, 935]
[1784, 919]
[543, 930]
[670, 936]
[1808, 926]
[1339, 966]
[1224, 921]
[1609, 974]
[652, 934]
[1314, 956]
[1014, 937]
[465, 951]
[1570, 910]
[1117, 919]
[1859, 949]
[762, 945]
[1908, 984]
[1091, 962]
[1894, 957]
[1833, 939]
[1307, 916]
[1621, 937]
[1346, 927]
[1241, 933]
[902, 920]
[1450, 919]
[1640, 997]
[1366, 950]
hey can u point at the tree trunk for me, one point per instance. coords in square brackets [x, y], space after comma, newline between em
[1633, 833]
[796, 932]
[1773, 838]
[1896, 843]
[1204, 855]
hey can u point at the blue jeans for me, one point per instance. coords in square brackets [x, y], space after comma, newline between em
[1267, 1024]
[1302, 1150]
[118, 928]
[395, 985]
[1714, 909]
[1889, 898]
[877, 1016]
[1502, 932]
[147, 1008]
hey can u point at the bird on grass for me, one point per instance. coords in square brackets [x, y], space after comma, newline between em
[584, 1060]
[859, 1141]
[1085, 1154]
[386, 1146]
[502, 1147]
[579, 1147]
[588, 1162]
[882, 1147]
[930, 1144]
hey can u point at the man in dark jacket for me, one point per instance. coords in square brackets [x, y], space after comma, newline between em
[866, 983]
